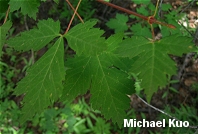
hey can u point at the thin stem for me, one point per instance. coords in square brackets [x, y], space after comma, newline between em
[165, 24]
[123, 9]
[6, 17]
[32, 58]
[25, 22]
[156, 8]
[160, 8]
[191, 3]
[74, 10]
[157, 109]
[73, 16]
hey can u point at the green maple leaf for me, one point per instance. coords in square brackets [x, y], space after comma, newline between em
[108, 85]
[88, 38]
[43, 83]
[153, 62]
[3, 31]
[77, 79]
[29, 7]
[113, 41]
[102, 73]
[36, 38]
[119, 23]
[109, 88]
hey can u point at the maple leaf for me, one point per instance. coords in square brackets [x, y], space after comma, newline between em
[103, 73]
[42, 84]
[113, 41]
[153, 62]
[36, 38]
[77, 79]
[84, 37]
[29, 7]
[119, 23]
[3, 31]
[108, 85]
[109, 88]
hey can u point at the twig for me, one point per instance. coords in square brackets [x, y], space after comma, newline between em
[25, 21]
[189, 55]
[32, 51]
[6, 17]
[187, 6]
[72, 17]
[186, 28]
[195, 127]
[74, 10]
[196, 132]
[196, 36]
[186, 61]
[160, 8]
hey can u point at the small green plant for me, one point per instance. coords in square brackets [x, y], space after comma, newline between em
[131, 114]
[119, 23]
[9, 111]
[170, 88]
[184, 113]
[9, 114]
[85, 124]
